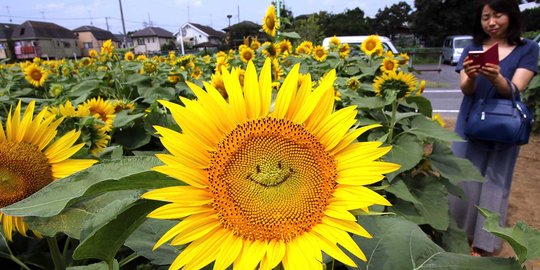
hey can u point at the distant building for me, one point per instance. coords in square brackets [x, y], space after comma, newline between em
[150, 39]
[244, 29]
[44, 39]
[194, 34]
[125, 40]
[6, 44]
[92, 38]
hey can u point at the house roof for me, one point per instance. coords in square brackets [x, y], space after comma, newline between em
[152, 32]
[98, 33]
[6, 29]
[211, 32]
[243, 24]
[35, 29]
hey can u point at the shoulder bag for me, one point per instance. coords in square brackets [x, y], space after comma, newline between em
[498, 120]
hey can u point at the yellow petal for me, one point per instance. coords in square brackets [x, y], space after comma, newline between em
[236, 97]
[351, 137]
[187, 223]
[252, 93]
[193, 177]
[349, 226]
[265, 86]
[286, 93]
[177, 211]
[63, 148]
[199, 253]
[70, 166]
[252, 253]
[186, 195]
[229, 251]
[333, 250]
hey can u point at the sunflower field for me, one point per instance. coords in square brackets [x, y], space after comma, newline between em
[271, 156]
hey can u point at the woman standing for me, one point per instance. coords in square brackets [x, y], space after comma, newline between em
[496, 21]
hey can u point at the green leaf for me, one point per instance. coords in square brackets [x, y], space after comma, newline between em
[401, 244]
[370, 102]
[132, 137]
[96, 266]
[524, 240]
[407, 151]
[121, 174]
[454, 169]
[123, 118]
[422, 104]
[430, 201]
[104, 242]
[428, 128]
[82, 90]
[145, 237]
[401, 116]
[85, 214]
[292, 35]
[401, 190]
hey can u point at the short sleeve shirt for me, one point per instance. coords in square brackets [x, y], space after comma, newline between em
[522, 56]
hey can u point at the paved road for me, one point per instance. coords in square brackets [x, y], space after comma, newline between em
[446, 99]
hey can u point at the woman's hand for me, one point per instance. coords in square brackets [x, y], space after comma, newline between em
[490, 71]
[470, 70]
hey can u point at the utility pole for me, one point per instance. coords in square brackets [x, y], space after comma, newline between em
[9, 15]
[123, 24]
[107, 22]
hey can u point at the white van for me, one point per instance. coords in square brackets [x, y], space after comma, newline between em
[453, 47]
[356, 41]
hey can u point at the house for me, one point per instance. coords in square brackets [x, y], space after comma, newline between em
[196, 34]
[92, 38]
[244, 29]
[150, 39]
[44, 39]
[125, 40]
[6, 44]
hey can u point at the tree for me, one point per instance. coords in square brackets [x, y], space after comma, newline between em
[349, 23]
[435, 19]
[390, 19]
[308, 27]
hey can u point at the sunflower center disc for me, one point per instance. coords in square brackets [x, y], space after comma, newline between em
[271, 179]
[36, 75]
[270, 23]
[23, 171]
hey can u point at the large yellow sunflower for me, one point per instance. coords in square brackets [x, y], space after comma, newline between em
[100, 109]
[35, 75]
[29, 159]
[402, 83]
[319, 53]
[268, 181]
[270, 22]
[246, 54]
[371, 45]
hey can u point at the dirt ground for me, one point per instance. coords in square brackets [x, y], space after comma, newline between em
[524, 203]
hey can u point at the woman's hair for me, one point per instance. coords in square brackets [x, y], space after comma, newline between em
[508, 7]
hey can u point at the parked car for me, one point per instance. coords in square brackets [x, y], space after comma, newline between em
[453, 47]
[355, 42]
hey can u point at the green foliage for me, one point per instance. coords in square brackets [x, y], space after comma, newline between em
[434, 20]
[524, 240]
[400, 244]
[388, 21]
[531, 97]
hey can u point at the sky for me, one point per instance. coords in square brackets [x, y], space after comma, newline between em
[167, 14]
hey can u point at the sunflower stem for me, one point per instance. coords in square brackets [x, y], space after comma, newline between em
[128, 259]
[392, 121]
[19, 262]
[58, 260]
[66, 246]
